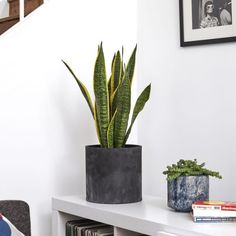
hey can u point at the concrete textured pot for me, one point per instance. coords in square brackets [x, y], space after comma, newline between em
[113, 175]
[185, 190]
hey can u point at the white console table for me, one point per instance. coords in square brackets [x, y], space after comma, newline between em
[151, 217]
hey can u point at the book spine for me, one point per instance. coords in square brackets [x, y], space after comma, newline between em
[228, 208]
[214, 219]
[206, 207]
[213, 213]
[214, 207]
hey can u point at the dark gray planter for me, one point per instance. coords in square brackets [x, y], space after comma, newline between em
[113, 175]
[185, 190]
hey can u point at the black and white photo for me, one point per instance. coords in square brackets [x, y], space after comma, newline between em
[207, 21]
[206, 13]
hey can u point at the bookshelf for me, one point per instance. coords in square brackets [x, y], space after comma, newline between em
[151, 217]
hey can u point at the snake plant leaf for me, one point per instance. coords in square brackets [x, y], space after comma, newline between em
[139, 105]
[110, 98]
[97, 124]
[131, 65]
[122, 63]
[116, 72]
[110, 132]
[109, 88]
[113, 59]
[82, 88]
[123, 110]
[113, 102]
[109, 85]
[101, 96]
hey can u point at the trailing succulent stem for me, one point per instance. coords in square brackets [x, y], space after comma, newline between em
[188, 168]
[112, 105]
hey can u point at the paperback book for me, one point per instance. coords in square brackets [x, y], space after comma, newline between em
[213, 213]
[208, 219]
[215, 205]
[84, 227]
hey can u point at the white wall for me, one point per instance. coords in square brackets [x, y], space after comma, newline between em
[44, 120]
[192, 111]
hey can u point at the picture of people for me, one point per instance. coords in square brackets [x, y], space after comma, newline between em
[225, 13]
[211, 13]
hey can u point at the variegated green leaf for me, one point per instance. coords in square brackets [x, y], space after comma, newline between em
[116, 78]
[116, 72]
[113, 59]
[101, 96]
[114, 101]
[131, 65]
[82, 88]
[109, 96]
[97, 124]
[110, 132]
[109, 88]
[139, 105]
[123, 110]
[123, 64]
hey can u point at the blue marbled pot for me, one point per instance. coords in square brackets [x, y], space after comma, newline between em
[185, 190]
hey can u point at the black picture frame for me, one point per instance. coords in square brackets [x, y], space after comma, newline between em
[185, 43]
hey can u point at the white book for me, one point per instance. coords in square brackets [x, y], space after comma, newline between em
[213, 213]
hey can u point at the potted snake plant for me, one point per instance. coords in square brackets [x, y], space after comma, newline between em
[113, 168]
[187, 182]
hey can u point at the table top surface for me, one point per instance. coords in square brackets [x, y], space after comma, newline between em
[145, 216]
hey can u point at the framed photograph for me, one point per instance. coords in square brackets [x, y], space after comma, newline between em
[207, 21]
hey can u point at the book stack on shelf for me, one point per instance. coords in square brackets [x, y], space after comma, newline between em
[85, 227]
[214, 211]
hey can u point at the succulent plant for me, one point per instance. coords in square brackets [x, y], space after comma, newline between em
[112, 105]
[188, 168]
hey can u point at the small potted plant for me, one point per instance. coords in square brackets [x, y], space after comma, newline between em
[113, 168]
[187, 182]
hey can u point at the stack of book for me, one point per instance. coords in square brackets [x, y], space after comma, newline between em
[85, 227]
[214, 211]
